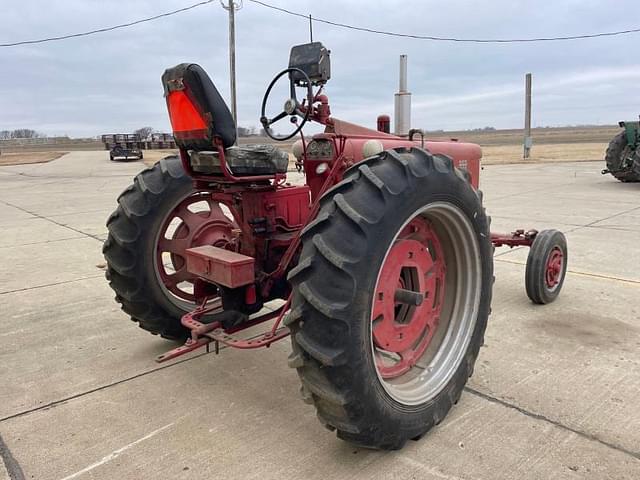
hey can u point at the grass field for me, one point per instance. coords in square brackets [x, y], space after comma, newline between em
[23, 158]
[541, 136]
[554, 152]
[561, 144]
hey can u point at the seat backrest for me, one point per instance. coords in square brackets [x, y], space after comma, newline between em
[196, 110]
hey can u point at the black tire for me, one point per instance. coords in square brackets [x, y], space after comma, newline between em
[614, 157]
[130, 247]
[536, 284]
[334, 280]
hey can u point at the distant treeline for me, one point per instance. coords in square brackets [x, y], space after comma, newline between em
[20, 133]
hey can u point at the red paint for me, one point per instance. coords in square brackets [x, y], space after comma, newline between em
[384, 123]
[250, 296]
[518, 238]
[553, 268]
[285, 209]
[202, 334]
[220, 266]
[415, 262]
[206, 227]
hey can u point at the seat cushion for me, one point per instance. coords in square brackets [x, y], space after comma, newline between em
[244, 161]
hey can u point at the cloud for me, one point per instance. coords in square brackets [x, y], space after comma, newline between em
[111, 82]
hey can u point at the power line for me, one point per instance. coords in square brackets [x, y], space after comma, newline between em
[107, 29]
[335, 24]
[445, 39]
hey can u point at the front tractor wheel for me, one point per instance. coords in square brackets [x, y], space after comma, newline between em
[391, 297]
[157, 219]
[546, 266]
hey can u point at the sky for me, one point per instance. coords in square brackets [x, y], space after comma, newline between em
[110, 82]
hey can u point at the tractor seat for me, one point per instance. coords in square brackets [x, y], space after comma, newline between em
[244, 161]
[200, 118]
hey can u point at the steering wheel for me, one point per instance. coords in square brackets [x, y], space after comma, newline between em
[291, 106]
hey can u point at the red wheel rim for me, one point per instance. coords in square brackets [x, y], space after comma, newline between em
[402, 330]
[196, 220]
[553, 268]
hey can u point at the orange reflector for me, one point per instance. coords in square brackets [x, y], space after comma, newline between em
[183, 113]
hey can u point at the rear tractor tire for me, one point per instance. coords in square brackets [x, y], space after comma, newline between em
[157, 219]
[546, 266]
[615, 155]
[391, 298]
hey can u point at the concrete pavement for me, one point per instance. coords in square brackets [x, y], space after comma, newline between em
[555, 394]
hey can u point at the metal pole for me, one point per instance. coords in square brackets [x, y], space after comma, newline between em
[232, 63]
[528, 142]
[402, 87]
[402, 103]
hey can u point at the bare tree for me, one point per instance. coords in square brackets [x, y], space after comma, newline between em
[5, 134]
[144, 132]
[25, 133]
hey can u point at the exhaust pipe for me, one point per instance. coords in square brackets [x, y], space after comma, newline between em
[402, 104]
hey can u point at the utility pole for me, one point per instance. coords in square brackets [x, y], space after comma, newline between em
[231, 7]
[528, 141]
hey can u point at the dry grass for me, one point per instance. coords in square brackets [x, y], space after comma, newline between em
[559, 152]
[23, 158]
[541, 136]
[152, 156]
[562, 144]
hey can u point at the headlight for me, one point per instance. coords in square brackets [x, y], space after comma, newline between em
[323, 167]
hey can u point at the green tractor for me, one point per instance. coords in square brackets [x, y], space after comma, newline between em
[623, 156]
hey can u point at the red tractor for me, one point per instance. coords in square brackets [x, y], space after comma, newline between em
[379, 267]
